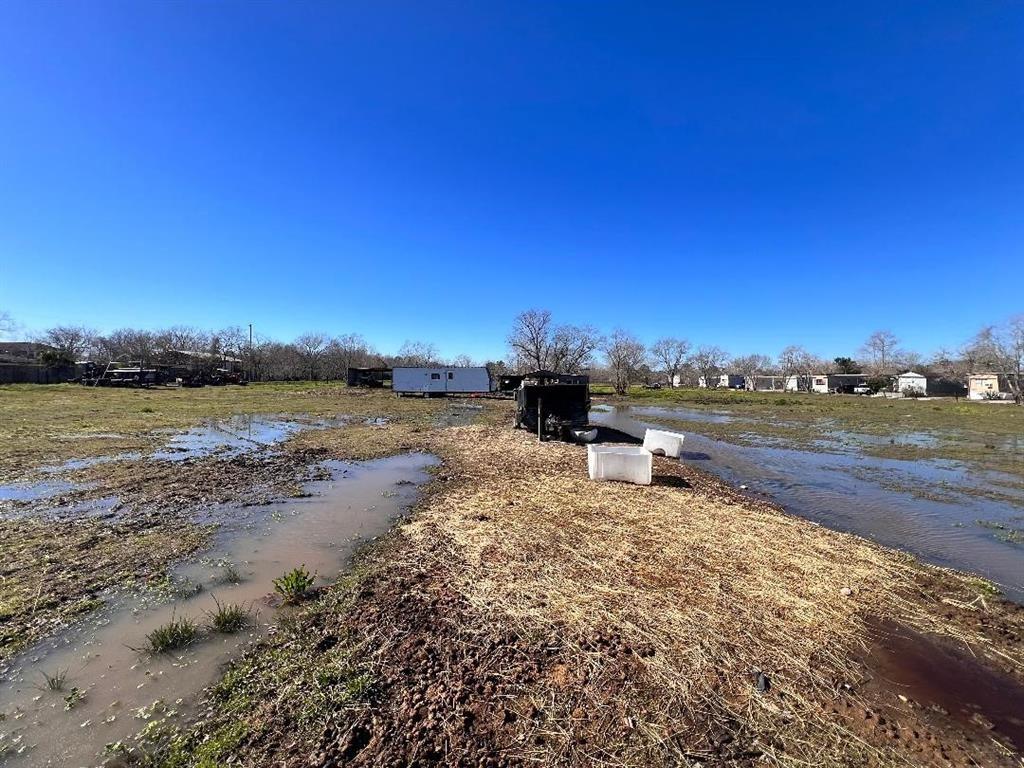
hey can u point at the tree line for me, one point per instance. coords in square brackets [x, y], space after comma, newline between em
[620, 358]
[534, 342]
[313, 356]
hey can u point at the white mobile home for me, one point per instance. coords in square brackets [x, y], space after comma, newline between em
[837, 383]
[440, 381]
[988, 386]
[913, 382]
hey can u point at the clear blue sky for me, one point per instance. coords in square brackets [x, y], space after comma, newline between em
[751, 175]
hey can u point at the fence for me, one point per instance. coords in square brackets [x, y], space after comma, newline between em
[26, 373]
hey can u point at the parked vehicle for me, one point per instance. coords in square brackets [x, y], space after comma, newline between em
[560, 409]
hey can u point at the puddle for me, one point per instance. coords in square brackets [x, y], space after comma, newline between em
[72, 465]
[362, 500]
[34, 491]
[842, 441]
[245, 433]
[934, 674]
[921, 506]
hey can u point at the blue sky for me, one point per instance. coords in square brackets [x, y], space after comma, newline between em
[751, 175]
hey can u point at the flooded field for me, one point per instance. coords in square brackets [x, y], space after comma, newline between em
[63, 700]
[946, 512]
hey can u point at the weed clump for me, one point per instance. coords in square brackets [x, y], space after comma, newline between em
[55, 682]
[231, 574]
[292, 587]
[229, 618]
[176, 633]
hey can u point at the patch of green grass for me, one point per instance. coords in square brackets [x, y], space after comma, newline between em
[229, 618]
[74, 698]
[1003, 532]
[292, 586]
[55, 682]
[175, 634]
[984, 586]
[230, 574]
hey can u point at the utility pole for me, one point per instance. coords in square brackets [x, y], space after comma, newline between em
[250, 351]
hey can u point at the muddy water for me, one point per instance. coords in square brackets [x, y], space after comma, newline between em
[928, 508]
[240, 434]
[120, 685]
[940, 675]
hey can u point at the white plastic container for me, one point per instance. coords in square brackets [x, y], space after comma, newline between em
[628, 463]
[665, 443]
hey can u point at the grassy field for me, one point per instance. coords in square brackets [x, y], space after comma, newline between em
[522, 615]
[53, 567]
[45, 424]
[987, 435]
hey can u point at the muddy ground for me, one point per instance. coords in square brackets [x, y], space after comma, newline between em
[526, 615]
[470, 639]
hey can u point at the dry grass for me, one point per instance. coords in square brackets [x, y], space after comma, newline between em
[700, 590]
[42, 424]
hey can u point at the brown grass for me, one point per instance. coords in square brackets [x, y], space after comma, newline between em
[700, 589]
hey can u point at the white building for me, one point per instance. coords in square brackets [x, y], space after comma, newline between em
[912, 381]
[988, 386]
[447, 380]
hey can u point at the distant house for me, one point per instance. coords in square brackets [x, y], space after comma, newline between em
[837, 383]
[988, 386]
[725, 381]
[765, 383]
[913, 382]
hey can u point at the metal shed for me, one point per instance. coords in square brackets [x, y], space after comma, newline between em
[441, 381]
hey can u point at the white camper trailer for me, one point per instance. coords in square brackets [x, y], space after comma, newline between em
[440, 381]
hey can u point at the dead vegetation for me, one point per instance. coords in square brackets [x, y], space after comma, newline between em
[527, 615]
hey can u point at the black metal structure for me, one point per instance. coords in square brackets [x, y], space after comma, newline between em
[374, 378]
[552, 409]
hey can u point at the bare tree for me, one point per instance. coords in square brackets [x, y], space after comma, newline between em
[311, 348]
[1001, 349]
[72, 342]
[127, 345]
[624, 355]
[797, 363]
[881, 350]
[349, 350]
[572, 348]
[949, 365]
[751, 366]
[418, 353]
[709, 360]
[234, 341]
[462, 361]
[7, 324]
[668, 355]
[530, 338]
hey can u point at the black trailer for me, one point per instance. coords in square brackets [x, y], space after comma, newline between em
[558, 408]
[374, 378]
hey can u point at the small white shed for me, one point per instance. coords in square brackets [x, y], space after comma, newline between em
[912, 381]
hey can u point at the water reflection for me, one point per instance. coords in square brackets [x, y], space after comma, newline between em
[922, 507]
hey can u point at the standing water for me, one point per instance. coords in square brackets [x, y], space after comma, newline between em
[111, 683]
[930, 508]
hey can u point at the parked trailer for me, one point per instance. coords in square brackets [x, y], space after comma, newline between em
[440, 381]
[561, 408]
